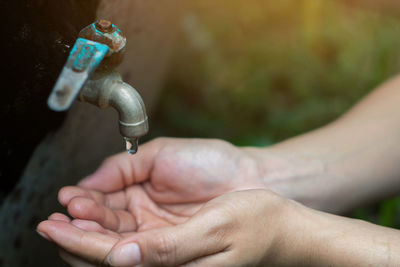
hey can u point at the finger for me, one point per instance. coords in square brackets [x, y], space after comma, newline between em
[123, 169]
[91, 246]
[73, 260]
[69, 192]
[91, 226]
[172, 246]
[113, 201]
[59, 217]
[115, 220]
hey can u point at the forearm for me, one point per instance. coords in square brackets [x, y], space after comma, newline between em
[350, 161]
[321, 239]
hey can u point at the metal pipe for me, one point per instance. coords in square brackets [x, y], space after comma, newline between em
[109, 90]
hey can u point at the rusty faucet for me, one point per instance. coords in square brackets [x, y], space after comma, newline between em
[90, 76]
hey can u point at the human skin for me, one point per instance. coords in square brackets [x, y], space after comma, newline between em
[245, 228]
[170, 185]
[351, 161]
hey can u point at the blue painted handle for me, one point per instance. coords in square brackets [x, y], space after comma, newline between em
[83, 60]
[87, 55]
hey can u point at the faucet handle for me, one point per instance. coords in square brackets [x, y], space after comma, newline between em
[100, 42]
[83, 60]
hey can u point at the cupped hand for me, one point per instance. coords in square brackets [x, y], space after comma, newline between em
[166, 183]
[179, 170]
[243, 228]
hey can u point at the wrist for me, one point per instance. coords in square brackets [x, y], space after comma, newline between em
[320, 239]
[304, 232]
[294, 240]
[282, 222]
[313, 238]
[296, 175]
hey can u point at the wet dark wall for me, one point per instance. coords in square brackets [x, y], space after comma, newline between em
[36, 36]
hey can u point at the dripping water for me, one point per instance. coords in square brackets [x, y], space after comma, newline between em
[132, 145]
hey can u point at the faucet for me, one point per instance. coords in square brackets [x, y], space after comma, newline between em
[89, 75]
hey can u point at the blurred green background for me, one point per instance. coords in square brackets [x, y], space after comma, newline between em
[257, 72]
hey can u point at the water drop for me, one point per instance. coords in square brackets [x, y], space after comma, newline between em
[132, 145]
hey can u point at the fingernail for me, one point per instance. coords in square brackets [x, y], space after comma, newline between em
[126, 255]
[44, 235]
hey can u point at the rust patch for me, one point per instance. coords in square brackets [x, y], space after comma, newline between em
[104, 25]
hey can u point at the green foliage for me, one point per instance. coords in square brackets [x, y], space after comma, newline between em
[389, 212]
[256, 72]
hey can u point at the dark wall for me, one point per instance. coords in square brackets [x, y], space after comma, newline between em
[36, 37]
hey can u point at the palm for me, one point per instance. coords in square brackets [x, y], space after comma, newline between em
[183, 176]
[198, 170]
[132, 210]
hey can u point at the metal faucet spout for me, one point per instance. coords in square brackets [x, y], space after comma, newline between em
[109, 90]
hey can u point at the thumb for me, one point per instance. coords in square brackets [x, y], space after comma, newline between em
[170, 246]
[122, 170]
